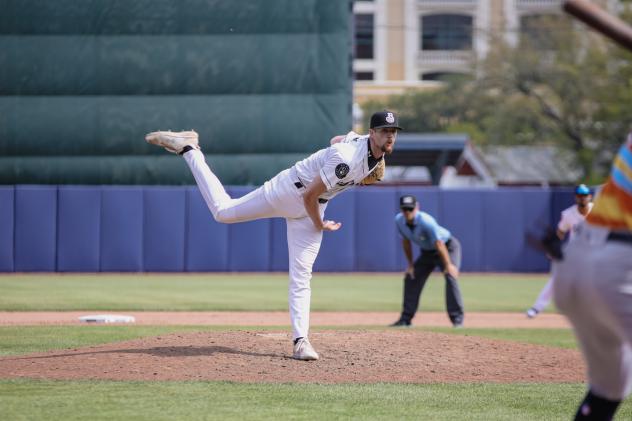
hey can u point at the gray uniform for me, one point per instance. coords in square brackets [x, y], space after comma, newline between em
[593, 288]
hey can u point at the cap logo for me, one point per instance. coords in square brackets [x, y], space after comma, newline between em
[390, 118]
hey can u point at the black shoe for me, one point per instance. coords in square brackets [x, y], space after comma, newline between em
[401, 323]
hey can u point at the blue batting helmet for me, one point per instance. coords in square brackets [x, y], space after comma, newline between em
[582, 190]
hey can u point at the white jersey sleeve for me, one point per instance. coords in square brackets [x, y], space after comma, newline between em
[571, 218]
[566, 222]
[336, 170]
[351, 136]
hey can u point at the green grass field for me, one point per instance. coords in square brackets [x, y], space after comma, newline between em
[254, 292]
[29, 399]
[60, 400]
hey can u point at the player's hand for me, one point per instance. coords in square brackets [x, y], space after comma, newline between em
[331, 226]
[410, 271]
[452, 270]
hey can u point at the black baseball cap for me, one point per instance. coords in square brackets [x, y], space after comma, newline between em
[384, 119]
[407, 202]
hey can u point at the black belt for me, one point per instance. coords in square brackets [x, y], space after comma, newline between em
[624, 237]
[300, 185]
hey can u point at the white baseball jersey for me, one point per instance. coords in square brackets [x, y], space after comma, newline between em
[340, 166]
[571, 217]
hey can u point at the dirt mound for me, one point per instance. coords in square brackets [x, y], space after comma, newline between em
[346, 356]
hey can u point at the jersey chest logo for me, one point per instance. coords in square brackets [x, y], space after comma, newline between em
[342, 170]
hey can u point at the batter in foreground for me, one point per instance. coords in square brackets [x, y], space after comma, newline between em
[593, 288]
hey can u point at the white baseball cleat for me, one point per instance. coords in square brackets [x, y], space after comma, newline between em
[174, 142]
[304, 351]
[532, 312]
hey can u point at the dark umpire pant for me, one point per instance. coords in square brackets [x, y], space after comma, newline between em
[424, 266]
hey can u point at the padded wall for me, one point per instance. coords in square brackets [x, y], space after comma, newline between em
[170, 229]
[248, 242]
[35, 229]
[121, 229]
[79, 222]
[7, 224]
[338, 249]
[206, 239]
[164, 219]
[377, 241]
[462, 214]
[82, 81]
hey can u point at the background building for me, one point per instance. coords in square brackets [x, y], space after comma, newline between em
[413, 44]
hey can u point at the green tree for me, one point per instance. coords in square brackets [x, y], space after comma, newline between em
[561, 84]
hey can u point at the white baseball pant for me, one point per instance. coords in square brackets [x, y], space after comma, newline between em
[277, 198]
[545, 296]
[593, 288]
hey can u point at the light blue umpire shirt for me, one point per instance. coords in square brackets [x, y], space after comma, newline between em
[425, 231]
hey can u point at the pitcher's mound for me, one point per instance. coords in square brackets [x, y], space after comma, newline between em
[346, 356]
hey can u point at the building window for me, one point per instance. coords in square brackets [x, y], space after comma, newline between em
[363, 76]
[446, 32]
[363, 35]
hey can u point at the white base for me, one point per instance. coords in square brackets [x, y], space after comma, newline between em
[107, 318]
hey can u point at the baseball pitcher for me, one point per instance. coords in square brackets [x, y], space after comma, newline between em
[300, 195]
[571, 218]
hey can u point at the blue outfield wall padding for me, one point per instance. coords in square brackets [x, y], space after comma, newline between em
[206, 248]
[35, 228]
[7, 223]
[503, 225]
[122, 229]
[337, 251]
[113, 229]
[537, 205]
[79, 222]
[163, 229]
[278, 245]
[248, 242]
[462, 215]
[376, 238]
[560, 200]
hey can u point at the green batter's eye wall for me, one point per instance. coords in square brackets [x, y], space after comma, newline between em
[265, 83]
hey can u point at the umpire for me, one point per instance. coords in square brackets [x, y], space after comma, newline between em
[438, 248]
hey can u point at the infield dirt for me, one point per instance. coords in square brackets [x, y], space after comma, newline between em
[401, 356]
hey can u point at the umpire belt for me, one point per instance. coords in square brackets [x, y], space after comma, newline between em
[300, 185]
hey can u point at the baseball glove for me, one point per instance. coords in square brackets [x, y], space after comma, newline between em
[376, 175]
[549, 243]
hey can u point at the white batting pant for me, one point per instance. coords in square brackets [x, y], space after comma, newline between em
[278, 198]
[593, 288]
[545, 296]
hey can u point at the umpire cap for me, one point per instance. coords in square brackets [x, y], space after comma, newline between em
[384, 119]
[407, 202]
[582, 190]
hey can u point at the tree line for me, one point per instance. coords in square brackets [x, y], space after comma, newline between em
[560, 84]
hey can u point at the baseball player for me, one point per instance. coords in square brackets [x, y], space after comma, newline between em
[300, 195]
[571, 217]
[593, 288]
[438, 248]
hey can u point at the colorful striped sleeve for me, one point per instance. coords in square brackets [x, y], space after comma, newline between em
[613, 205]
